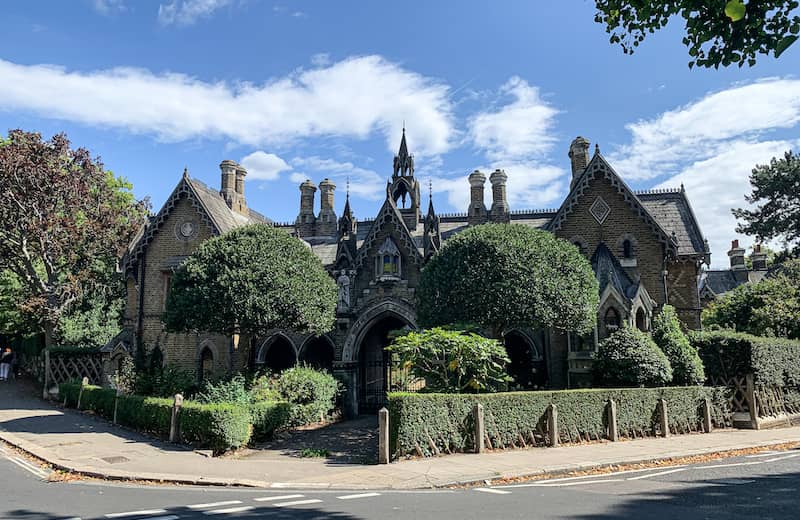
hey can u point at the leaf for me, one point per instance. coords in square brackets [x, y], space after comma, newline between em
[735, 10]
[784, 44]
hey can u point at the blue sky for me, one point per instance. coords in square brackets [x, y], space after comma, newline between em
[297, 90]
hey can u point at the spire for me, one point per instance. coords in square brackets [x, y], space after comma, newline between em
[185, 172]
[431, 212]
[347, 222]
[403, 161]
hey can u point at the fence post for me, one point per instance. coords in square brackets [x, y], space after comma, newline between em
[116, 403]
[84, 384]
[613, 432]
[383, 436]
[707, 415]
[173, 424]
[750, 396]
[477, 414]
[552, 425]
[663, 418]
[45, 391]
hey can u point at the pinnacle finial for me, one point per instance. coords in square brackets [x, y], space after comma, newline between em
[185, 172]
[347, 196]
[596, 148]
[430, 190]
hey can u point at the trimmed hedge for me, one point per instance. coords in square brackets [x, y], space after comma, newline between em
[446, 419]
[221, 426]
[726, 354]
[268, 416]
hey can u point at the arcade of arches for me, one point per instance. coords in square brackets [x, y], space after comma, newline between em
[278, 353]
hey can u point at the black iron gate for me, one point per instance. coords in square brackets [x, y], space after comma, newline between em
[377, 377]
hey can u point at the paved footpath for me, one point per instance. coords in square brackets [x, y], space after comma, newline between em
[82, 443]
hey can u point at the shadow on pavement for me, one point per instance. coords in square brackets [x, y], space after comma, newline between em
[305, 513]
[763, 496]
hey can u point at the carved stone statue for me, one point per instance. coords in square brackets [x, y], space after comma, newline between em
[344, 291]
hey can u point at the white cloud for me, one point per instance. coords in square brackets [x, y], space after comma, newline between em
[700, 129]
[107, 7]
[187, 12]
[364, 183]
[718, 184]
[264, 166]
[520, 129]
[355, 98]
[298, 177]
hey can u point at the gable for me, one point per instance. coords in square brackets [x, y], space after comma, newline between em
[389, 215]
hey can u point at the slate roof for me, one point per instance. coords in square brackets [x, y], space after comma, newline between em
[672, 211]
[608, 271]
[223, 217]
[719, 282]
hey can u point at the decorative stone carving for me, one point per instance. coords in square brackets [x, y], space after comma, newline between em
[343, 281]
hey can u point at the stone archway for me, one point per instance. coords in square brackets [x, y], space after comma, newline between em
[317, 352]
[206, 362]
[527, 366]
[354, 338]
[277, 353]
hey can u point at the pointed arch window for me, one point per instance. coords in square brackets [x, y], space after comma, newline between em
[612, 320]
[387, 260]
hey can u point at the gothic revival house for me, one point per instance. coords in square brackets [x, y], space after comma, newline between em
[713, 283]
[645, 247]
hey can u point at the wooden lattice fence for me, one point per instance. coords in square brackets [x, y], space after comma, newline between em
[64, 368]
[756, 406]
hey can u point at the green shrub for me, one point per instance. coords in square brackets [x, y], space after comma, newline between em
[629, 357]
[687, 368]
[453, 361]
[264, 388]
[312, 394]
[219, 426]
[417, 420]
[166, 382]
[233, 390]
[727, 354]
[267, 417]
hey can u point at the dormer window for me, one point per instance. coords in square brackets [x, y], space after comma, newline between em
[387, 260]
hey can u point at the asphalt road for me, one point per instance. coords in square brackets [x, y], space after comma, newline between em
[763, 486]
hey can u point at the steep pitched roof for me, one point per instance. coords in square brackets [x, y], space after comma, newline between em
[672, 210]
[389, 213]
[210, 205]
[608, 271]
[598, 166]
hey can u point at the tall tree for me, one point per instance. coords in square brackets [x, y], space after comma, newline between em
[775, 193]
[718, 32]
[502, 276]
[64, 222]
[249, 281]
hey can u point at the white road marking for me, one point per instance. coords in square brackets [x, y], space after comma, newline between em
[298, 502]
[581, 483]
[144, 512]
[295, 484]
[490, 490]
[751, 463]
[281, 497]
[168, 517]
[214, 504]
[30, 469]
[783, 457]
[229, 510]
[648, 475]
[582, 477]
[759, 455]
[362, 495]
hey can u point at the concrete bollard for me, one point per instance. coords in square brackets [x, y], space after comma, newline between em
[383, 436]
[173, 424]
[613, 431]
[707, 427]
[663, 418]
[116, 404]
[477, 414]
[552, 425]
[45, 391]
[84, 384]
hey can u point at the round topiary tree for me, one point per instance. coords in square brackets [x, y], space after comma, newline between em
[249, 281]
[501, 276]
[629, 357]
[687, 368]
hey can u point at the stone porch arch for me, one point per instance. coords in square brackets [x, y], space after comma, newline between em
[366, 319]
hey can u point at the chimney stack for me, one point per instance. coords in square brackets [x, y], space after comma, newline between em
[579, 157]
[232, 185]
[306, 220]
[326, 222]
[499, 211]
[759, 258]
[476, 214]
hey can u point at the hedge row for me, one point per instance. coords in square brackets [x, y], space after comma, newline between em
[511, 419]
[219, 426]
[726, 354]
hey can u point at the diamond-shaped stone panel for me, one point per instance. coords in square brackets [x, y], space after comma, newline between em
[599, 210]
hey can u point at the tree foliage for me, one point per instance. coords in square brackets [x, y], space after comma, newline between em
[502, 276]
[249, 281]
[452, 361]
[770, 307]
[64, 221]
[687, 368]
[630, 357]
[775, 193]
[718, 32]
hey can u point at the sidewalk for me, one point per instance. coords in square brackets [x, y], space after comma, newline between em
[81, 443]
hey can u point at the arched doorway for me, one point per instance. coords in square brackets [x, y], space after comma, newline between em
[206, 363]
[641, 320]
[277, 354]
[318, 353]
[527, 367]
[374, 371]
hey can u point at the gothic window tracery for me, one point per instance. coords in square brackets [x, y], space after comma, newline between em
[387, 260]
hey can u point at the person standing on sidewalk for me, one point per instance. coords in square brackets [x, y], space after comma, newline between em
[6, 362]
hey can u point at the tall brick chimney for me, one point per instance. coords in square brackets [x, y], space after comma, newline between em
[736, 255]
[326, 221]
[476, 214]
[579, 157]
[306, 220]
[232, 185]
[499, 211]
[759, 258]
